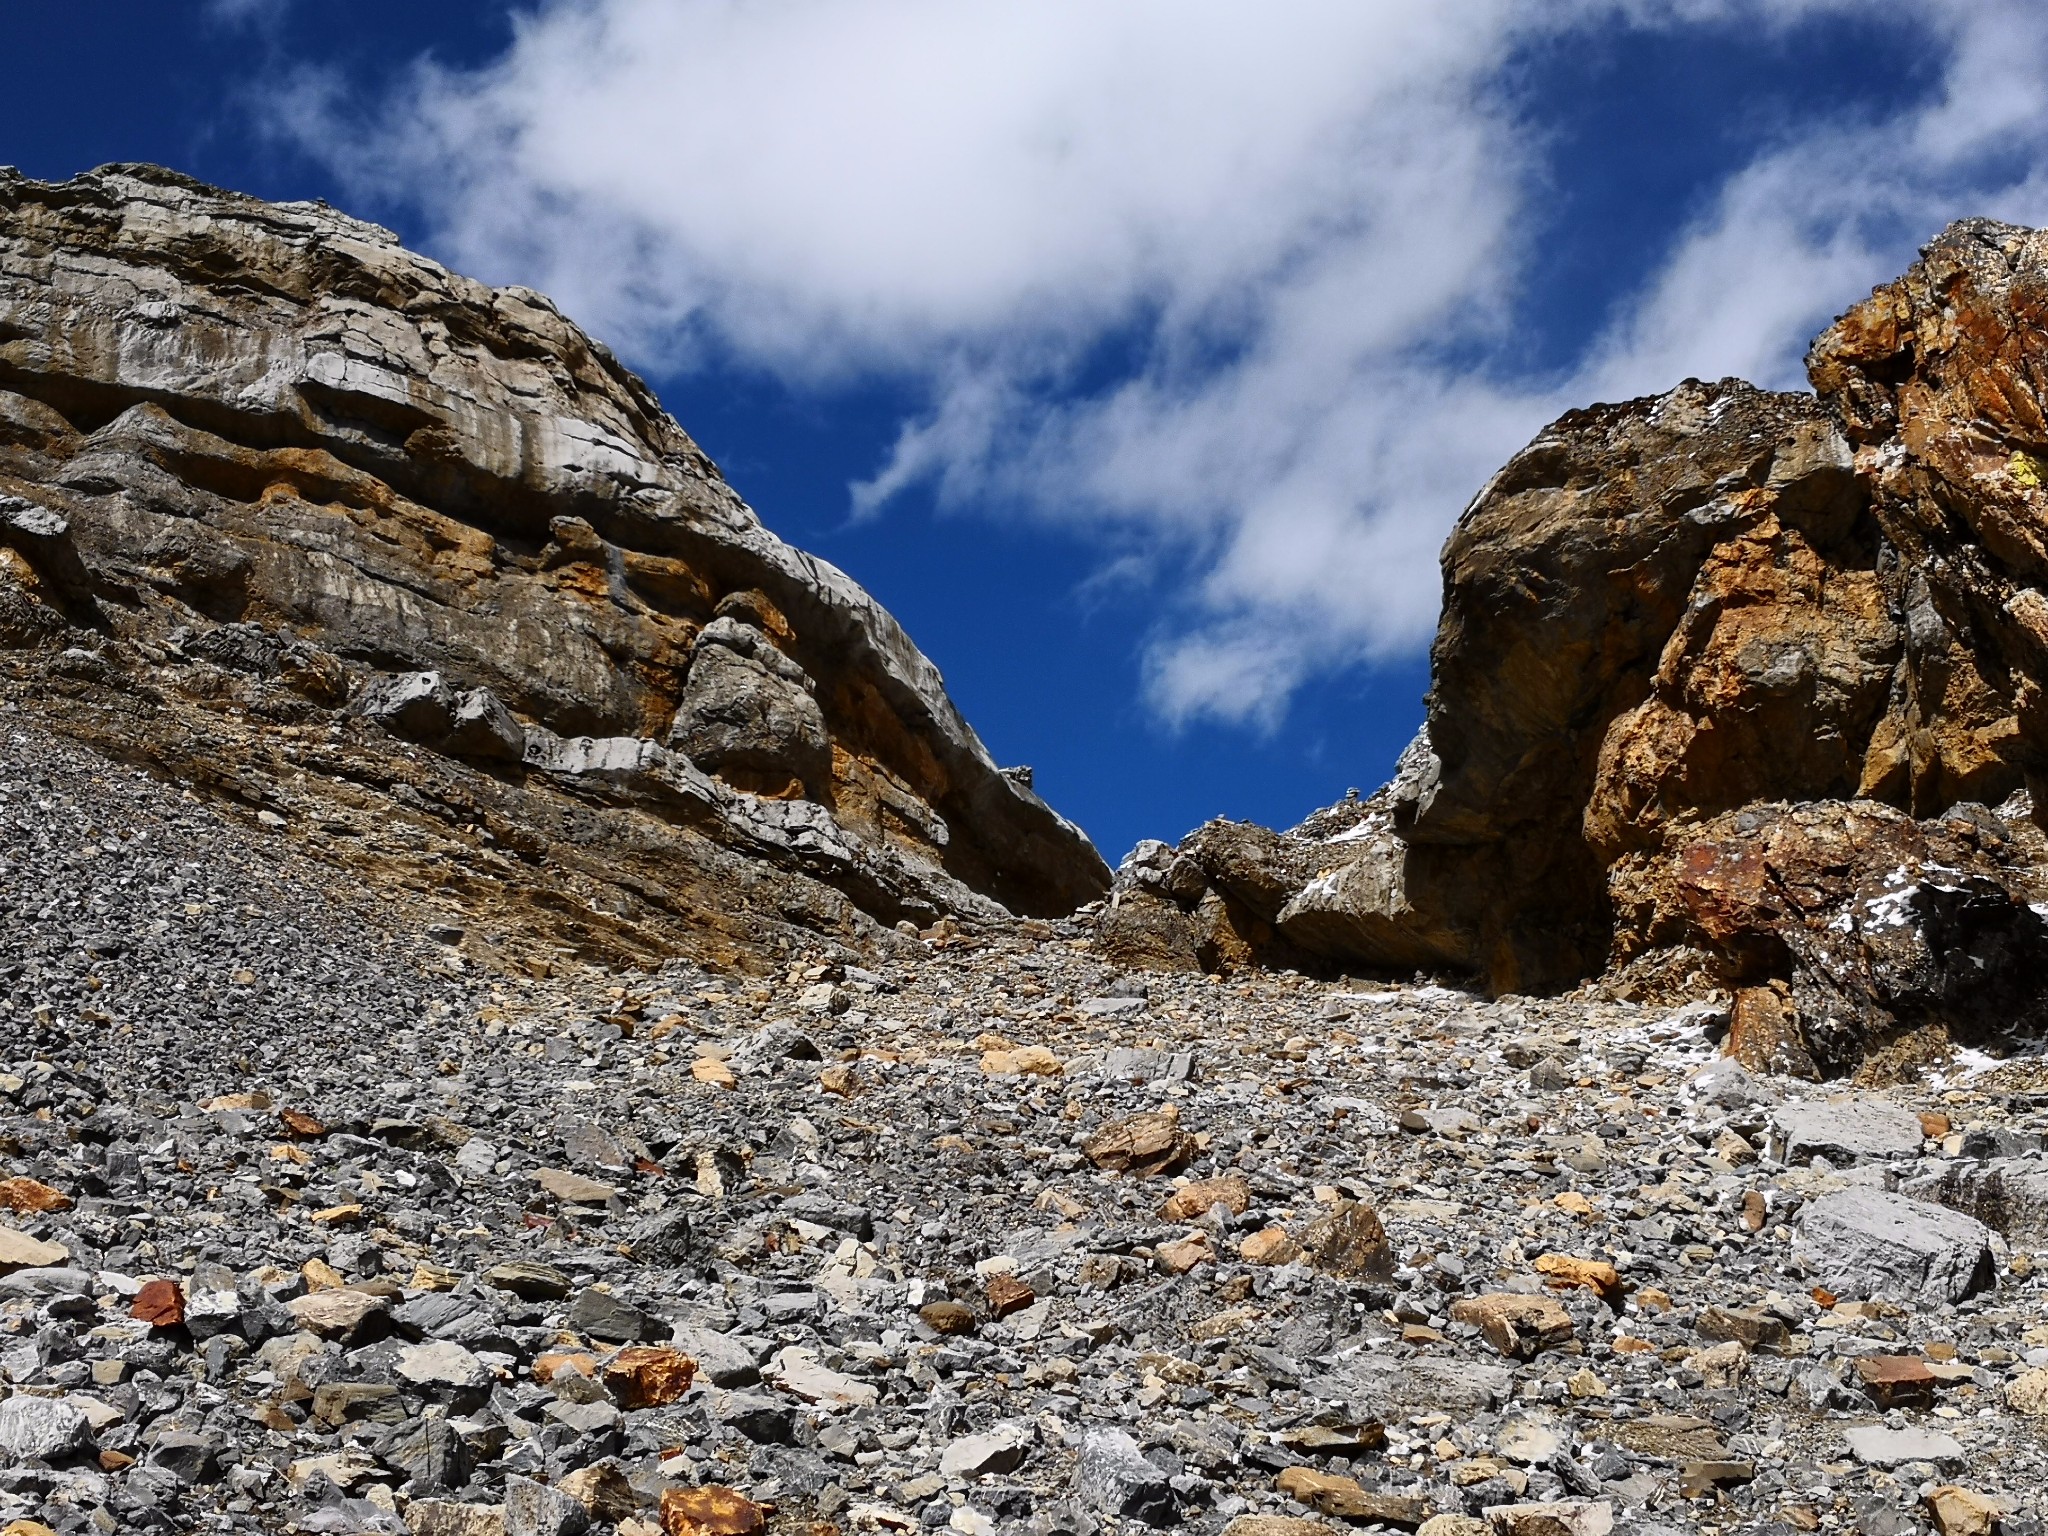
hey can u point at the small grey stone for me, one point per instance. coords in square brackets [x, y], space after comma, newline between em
[534, 1509]
[605, 1316]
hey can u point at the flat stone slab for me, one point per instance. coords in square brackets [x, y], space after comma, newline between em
[1846, 1131]
[1430, 1386]
[1867, 1242]
[1876, 1446]
[18, 1250]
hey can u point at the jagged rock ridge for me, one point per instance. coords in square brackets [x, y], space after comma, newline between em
[279, 497]
[1728, 684]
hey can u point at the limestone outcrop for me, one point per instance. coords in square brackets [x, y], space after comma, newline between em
[1752, 677]
[289, 511]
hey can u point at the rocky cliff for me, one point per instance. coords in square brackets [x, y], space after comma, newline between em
[419, 574]
[1731, 688]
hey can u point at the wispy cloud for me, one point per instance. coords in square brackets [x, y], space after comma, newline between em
[237, 12]
[1297, 230]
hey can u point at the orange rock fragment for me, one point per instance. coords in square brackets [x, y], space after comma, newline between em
[302, 1125]
[710, 1511]
[161, 1304]
[28, 1198]
[1562, 1272]
[1007, 1294]
[1520, 1327]
[1185, 1204]
[649, 1376]
[554, 1363]
[1178, 1257]
[1271, 1246]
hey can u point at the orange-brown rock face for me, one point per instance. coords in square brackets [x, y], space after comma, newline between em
[1940, 379]
[1742, 672]
[293, 513]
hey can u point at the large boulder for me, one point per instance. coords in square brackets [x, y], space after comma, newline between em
[1727, 682]
[261, 460]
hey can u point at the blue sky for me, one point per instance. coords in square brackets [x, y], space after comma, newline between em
[1138, 355]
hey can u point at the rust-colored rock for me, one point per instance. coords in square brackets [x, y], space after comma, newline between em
[1347, 1499]
[1192, 1200]
[300, 1125]
[649, 1376]
[1562, 1272]
[948, 1318]
[1763, 1031]
[1144, 1144]
[549, 1365]
[1731, 689]
[1183, 1254]
[1269, 1246]
[1852, 922]
[1007, 1294]
[710, 1511]
[27, 1197]
[1520, 1327]
[160, 1303]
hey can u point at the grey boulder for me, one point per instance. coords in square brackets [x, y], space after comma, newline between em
[1866, 1242]
[42, 1428]
[1113, 1477]
[1846, 1130]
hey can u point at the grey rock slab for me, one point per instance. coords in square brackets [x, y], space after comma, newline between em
[187, 1456]
[1110, 1007]
[1731, 1085]
[1113, 1477]
[1137, 1064]
[2009, 1194]
[42, 1428]
[1001, 1449]
[1867, 1242]
[614, 1320]
[1392, 1388]
[722, 1358]
[1845, 1130]
[799, 1372]
[442, 1364]
[1877, 1446]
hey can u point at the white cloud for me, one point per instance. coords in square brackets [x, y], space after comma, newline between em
[1303, 223]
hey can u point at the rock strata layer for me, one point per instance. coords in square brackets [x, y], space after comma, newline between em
[298, 516]
[1731, 688]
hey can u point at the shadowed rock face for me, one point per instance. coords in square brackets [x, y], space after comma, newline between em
[1819, 615]
[264, 461]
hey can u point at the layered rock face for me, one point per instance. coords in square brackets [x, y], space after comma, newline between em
[1738, 676]
[415, 565]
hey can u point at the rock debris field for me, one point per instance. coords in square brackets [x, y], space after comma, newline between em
[307, 1224]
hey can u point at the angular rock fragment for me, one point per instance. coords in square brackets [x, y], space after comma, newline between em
[1350, 1241]
[1870, 1243]
[1520, 1327]
[1145, 1145]
[1113, 1478]
[710, 1511]
[644, 1377]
